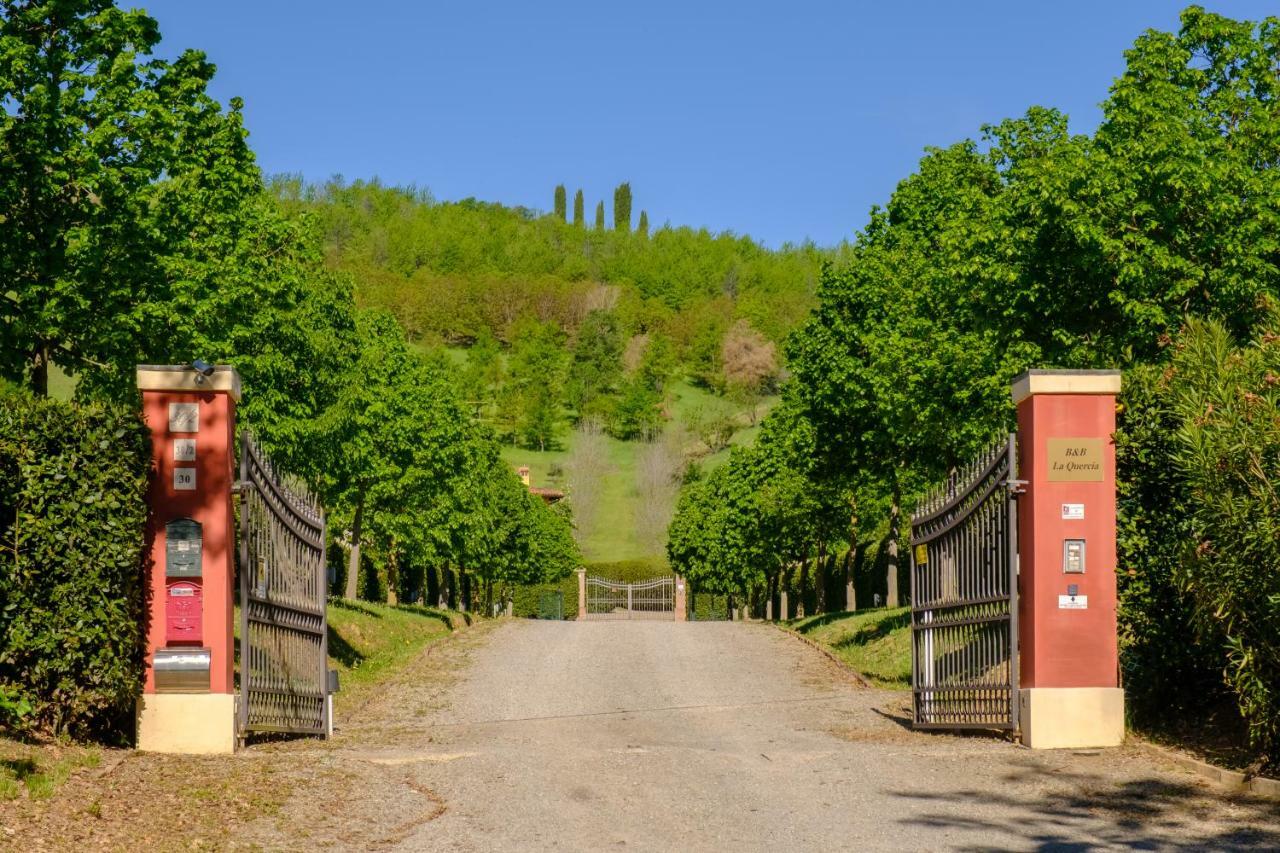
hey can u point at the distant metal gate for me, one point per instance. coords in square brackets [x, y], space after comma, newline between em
[651, 599]
[964, 597]
[283, 627]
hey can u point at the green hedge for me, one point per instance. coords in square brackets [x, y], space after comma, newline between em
[1168, 669]
[72, 511]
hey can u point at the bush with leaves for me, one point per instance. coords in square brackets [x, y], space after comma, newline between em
[1227, 399]
[72, 511]
[1162, 669]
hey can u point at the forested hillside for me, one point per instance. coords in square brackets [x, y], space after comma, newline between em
[452, 271]
[611, 361]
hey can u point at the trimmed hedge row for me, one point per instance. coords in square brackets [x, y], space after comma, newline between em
[72, 511]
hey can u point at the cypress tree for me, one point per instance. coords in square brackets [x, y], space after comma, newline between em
[561, 206]
[578, 215]
[622, 207]
[600, 216]
[644, 224]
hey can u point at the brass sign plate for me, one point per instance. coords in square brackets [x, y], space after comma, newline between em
[1076, 460]
[922, 555]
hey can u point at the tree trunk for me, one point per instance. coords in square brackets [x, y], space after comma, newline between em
[464, 581]
[450, 586]
[820, 577]
[431, 580]
[895, 511]
[850, 560]
[40, 370]
[353, 563]
[804, 585]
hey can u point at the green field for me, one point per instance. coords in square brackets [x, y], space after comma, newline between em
[613, 536]
[876, 643]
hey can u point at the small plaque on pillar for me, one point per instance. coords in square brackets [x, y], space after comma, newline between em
[1075, 460]
[184, 450]
[184, 417]
[184, 479]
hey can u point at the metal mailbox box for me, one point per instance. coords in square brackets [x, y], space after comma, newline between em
[183, 548]
[184, 613]
[182, 670]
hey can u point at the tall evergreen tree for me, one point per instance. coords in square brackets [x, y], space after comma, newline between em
[600, 216]
[561, 203]
[622, 207]
[579, 212]
[643, 228]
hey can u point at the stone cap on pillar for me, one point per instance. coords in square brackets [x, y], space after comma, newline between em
[1034, 382]
[184, 377]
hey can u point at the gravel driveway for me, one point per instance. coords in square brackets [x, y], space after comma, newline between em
[724, 736]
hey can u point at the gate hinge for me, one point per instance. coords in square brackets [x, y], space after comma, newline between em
[1016, 487]
[239, 487]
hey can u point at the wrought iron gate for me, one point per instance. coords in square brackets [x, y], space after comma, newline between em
[651, 599]
[283, 627]
[964, 597]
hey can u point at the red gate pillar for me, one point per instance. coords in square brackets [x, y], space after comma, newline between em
[1070, 694]
[680, 605]
[582, 594]
[188, 700]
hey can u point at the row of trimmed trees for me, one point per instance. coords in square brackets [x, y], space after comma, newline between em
[135, 228]
[1038, 247]
[621, 210]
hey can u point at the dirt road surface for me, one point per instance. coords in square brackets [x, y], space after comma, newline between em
[645, 736]
[730, 736]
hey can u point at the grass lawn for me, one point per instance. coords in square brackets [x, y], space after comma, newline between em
[876, 643]
[614, 537]
[37, 771]
[368, 642]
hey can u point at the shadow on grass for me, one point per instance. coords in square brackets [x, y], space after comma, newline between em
[354, 607]
[813, 623]
[19, 768]
[342, 651]
[877, 631]
[431, 613]
[1067, 810]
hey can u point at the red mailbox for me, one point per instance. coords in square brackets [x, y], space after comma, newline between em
[184, 613]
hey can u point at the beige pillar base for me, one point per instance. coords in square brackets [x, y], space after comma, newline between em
[187, 723]
[1071, 717]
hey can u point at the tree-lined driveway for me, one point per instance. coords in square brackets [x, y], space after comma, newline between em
[729, 736]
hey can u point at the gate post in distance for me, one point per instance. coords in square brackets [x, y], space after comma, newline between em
[1070, 695]
[188, 701]
[681, 609]
[582, 594]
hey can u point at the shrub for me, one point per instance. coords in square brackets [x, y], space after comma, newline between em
[1166, 673]
[72, 511]
[1227, 399]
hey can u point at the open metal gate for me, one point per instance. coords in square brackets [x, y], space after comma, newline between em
[283, 628]
[964, 597]
[651, 599]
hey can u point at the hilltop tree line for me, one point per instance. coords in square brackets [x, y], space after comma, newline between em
[561, 323]
[1153, 245]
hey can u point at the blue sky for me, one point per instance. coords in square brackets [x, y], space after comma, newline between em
[784, 121]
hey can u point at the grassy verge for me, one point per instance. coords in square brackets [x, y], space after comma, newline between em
[368, 641]
[876, 643]
[39, 771]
